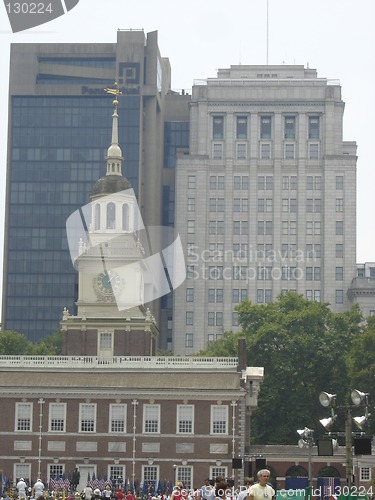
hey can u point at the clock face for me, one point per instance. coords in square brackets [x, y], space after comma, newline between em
[109, 282]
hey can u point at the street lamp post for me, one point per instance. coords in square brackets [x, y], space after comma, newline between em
[307, 441]
[358, 399]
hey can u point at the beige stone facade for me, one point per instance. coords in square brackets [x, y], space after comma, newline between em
[266, 199]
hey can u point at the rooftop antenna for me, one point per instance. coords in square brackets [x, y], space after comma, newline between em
[267, 34]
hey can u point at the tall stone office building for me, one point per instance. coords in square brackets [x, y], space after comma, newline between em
[58, 135]
[266, 199]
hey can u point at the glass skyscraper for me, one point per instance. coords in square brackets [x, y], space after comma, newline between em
[59, 130]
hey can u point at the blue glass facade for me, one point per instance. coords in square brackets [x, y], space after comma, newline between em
[58, 145]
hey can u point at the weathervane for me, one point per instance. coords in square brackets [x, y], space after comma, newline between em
[116, 92]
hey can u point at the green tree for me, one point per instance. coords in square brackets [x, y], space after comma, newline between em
[302, 346]
[49, 346]
[361, 366]
[14, 344]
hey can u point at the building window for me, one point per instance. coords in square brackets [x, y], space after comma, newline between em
[151, 419]
[241, 151]
[365, 474]
[289, 151]
[339, 273]
[235, 319]
[339, 297]
[185, 419]
[150, 475]
[339, 227]
[339, 204]
[191, 204]
[218, 127]
[111, 216]
[117, 418]
[265, 205]
[312, 273]
[87, 417]
[313, 182]
[339, 250]
[241, 182]
[289, 205]
[22, 470]
[313, 251]
[184, 474]
[216, 205]
[289, 127]
[215, 272]
[238, 295]
[219, 419]
[265, 182]
[289, 182]
[216, 227]
[116, 471]
[189, 340]
[313, 151]
[241, 132]
[217, 153]
[189, 318]
[264, 227]
[313, 205]
[215, 295]
[217, 182]
[190, 295]
[240, 204]
[24, 415]
[57, 417]
[339, 182]
[191, 226]
[56, 470]
[215, 319]
[241, 227]
[265, 151]
[265, 127]
[190, 272]
[314, 127]
[105, 341]
[191, 181]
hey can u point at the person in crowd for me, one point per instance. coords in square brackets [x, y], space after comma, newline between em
[38, 489]
[261, 490]
[244, 490]
[76, 476]
[107, 492]
[87, 492]
[97, 494]
[21, 488]
[179, 492]
[120, 494]
[222, 488]
[207, 491]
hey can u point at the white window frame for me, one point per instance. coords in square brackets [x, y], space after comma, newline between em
[151, 419]
[185, 417]
[121, 410]
[219, 420]
[22, 470]
[27, 409]
[91, 411]
[53, 414]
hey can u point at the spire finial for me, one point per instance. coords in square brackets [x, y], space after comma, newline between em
[116, 92]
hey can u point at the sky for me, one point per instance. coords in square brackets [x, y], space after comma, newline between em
[335, 37]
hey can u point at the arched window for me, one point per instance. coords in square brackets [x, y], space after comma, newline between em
[125, 217]
[97, 217]
[111, 216]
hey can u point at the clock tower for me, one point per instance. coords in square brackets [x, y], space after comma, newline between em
[108, 253]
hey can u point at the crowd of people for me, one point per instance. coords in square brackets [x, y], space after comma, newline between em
[219, 489]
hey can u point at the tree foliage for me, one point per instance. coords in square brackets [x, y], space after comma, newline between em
[302, 346]
[16, 344]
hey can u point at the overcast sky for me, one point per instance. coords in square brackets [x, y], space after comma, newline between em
[336, 37]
